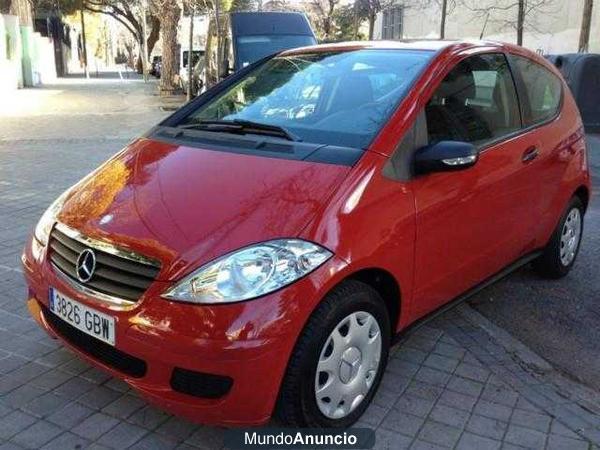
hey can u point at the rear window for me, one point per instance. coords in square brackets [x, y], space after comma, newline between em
[334, 98]
[543, 88]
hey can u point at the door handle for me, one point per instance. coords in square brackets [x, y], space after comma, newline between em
[530, 154]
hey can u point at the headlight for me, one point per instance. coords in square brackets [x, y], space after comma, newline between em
[46, 222]
[250, 272]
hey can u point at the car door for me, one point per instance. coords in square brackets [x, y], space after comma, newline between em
[472, 223]
[542, 95]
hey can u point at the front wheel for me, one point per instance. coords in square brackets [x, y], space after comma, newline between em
[559, 255]
[338, 361]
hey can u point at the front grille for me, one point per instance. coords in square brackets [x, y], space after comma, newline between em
[105, 353]
[198, 384]
[115, 276]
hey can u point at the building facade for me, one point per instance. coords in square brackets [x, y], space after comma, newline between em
[552, 28]
[26, 57]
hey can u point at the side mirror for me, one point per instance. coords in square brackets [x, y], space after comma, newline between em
[445, 156]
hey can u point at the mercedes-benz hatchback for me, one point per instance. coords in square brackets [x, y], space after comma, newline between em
[258, 250]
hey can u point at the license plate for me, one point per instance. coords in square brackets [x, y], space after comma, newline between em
[86, 319]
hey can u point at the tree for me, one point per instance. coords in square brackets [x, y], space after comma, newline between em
[446, 8]
[127, 13]
[323, 15]
[515, 14]
[20, 8]
[274, 5]
[369, 9]
[169, 13]
[245, 5]
[348, 19]
[586, 23]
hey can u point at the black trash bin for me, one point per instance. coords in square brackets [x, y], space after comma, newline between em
[582, 73]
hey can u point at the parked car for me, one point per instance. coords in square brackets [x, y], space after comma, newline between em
[260, 249]
[250, 36]
[155, 66]
[582, 74]
[197, 68]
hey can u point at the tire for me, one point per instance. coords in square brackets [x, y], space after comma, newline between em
[560, 254]
[350, 306]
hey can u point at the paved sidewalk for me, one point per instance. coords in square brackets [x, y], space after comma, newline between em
[459, 382]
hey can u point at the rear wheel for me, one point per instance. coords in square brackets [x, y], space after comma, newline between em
[338, 361]
[561, 252]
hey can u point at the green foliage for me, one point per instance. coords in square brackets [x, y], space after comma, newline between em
[64, 7]
[348, 19]
[244, 5]
[348, 24]
[5, 6]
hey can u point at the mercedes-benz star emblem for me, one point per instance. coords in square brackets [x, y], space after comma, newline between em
[86, 265]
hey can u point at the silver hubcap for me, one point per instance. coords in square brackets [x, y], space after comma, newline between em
[348, 365]
[569, 239]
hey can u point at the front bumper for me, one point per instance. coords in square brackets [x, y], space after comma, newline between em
[247, 342]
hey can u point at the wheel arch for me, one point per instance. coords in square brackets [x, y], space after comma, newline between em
[386, 286]
[584, 194]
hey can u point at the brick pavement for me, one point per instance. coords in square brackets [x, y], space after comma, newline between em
[457, 383]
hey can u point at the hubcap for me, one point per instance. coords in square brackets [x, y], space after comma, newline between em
[569, 239]
[348, 365]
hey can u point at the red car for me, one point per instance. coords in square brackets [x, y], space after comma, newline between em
[258, 251]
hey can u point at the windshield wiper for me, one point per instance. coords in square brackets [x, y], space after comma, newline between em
[242, 126]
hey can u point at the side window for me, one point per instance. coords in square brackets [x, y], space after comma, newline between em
[543, 88]
[476, 102]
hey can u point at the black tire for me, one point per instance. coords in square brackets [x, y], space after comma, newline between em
[550, 264]
[297, 405]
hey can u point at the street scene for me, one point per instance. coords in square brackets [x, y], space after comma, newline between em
[515, 365]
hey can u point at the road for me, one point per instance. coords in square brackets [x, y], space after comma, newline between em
[560, 320]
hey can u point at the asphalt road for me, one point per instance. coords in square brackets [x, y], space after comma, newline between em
[560, 320]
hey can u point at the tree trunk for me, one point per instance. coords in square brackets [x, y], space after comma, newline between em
[150, 43]
[84, 45]
[356, 24]
[190, 55]
[586, 23]
[372, 17]
[169, 19]
[520, 22]
[443, 21]
[139, 61]
[22, 9]
[154, 34]
[5, 6]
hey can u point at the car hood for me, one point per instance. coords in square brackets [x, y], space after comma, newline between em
[186, 206]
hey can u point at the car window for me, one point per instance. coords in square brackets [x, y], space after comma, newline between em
[543, 89]
[476, 102]
[339, 98]
[252, 48]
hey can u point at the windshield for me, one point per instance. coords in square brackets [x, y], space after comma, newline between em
[252, 48]
[340, 98]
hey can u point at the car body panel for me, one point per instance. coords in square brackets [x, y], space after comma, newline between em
[187, 206]
[437, 235]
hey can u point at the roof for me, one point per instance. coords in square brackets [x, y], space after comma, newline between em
[432, 45]
[270, 22]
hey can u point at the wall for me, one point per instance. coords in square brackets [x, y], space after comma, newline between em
[26, 58]
[554, 30]
[11, 71]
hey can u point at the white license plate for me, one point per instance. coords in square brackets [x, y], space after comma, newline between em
[84, 318]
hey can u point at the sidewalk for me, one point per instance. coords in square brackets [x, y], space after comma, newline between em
[459, 382]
